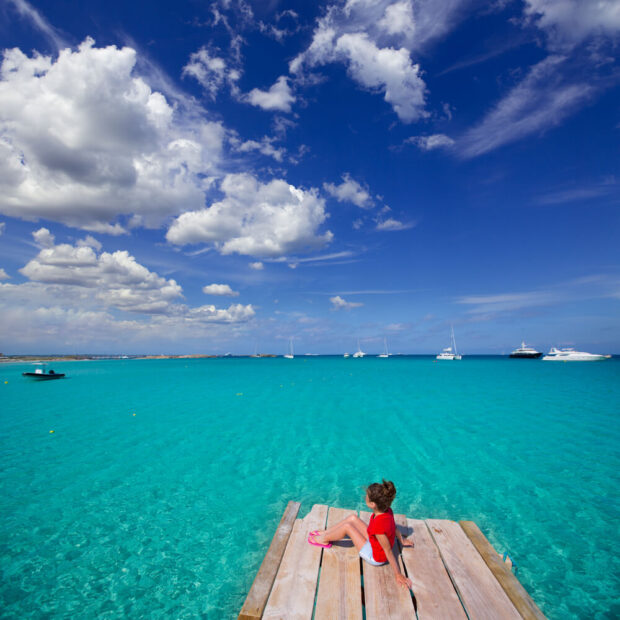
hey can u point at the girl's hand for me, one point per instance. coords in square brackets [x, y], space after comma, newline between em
[401, 580]
[408, 543]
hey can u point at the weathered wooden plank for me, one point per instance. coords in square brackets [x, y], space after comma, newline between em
[340, 588]
[434, 593]
[292, 595]
[259, 592]
[511, 585]
[385, 599]
[479, 591]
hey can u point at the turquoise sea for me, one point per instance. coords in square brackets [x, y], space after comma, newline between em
[162, 484]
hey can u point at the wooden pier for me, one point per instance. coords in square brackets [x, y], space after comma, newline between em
[455, 571]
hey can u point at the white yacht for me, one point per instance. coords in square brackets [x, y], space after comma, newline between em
[347, 355]
[359, 352]
[526, 351]
[290, 355]
[385, 350]
[570, 355]
[450, 353]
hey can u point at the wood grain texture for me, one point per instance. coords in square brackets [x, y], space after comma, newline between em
[294, 589]
[481, 594]
[435, 595]
[515, 591]
[259, 592]
[340, 587]
[385, 599]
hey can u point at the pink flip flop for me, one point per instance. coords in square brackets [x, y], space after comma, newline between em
[313, 533]
[316, 544]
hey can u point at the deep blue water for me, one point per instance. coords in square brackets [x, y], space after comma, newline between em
[168, 512]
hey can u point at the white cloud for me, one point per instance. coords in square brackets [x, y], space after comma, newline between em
[542, 100]
[2, 227]
[350, 191]
[257, 219]
[391, 224]
[26, 10]
[278, 97]
[44, 238]
[257, 266]
[398, 18]
[219, 289]
[89, 242]
[265, 146]
[429, 143]
[211, 72]
[210, 314]
[338, 303]
[75, 294]
[569, 22]
[117, 279]
[84, 140]
[4, 275]
[375, 40]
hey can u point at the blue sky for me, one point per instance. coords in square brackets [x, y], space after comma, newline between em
[204, 177]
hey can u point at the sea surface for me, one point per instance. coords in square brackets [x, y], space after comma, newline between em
[162, 484]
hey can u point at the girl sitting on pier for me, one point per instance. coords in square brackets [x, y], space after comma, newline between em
[374, 542]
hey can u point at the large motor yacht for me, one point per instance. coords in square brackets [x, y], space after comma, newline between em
[527, 352]
[570, 355]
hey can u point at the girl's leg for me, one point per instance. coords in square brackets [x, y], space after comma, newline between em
[352, 526]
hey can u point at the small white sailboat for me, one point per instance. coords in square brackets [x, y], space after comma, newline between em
[385, 350]
[346, 355]
[359, 352]
[450, 353]
[290, 355]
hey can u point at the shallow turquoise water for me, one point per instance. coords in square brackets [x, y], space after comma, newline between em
[168, 513]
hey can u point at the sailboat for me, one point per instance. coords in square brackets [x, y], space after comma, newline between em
[385, 349]
[450, 353]
[290, 355]
[359, 352]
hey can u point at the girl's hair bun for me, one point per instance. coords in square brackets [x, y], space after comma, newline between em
[390, 489]
[382, 494]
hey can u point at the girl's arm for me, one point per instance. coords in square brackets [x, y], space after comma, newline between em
[405, 542]
[385, 545]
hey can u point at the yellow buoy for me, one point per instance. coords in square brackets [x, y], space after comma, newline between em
[51, 431]
[239, 393]
[134, 415]
[5, 382]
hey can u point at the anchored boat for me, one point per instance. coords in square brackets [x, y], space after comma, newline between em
[41, 375]
[570, 355]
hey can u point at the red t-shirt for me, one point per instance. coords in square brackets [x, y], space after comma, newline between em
[381, 524]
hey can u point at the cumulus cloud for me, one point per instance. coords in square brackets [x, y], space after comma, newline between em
[429, 143]
[264, 146]
[257, 266]
[256, 219]
[375, 40]
[83, 139]
[569, 22]
[44, 238]
[392, 224]
[278, 97]
[338, 303]
[350, 191]
[3, 274]
[219, 289]
[79, 276]
[211, 72]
